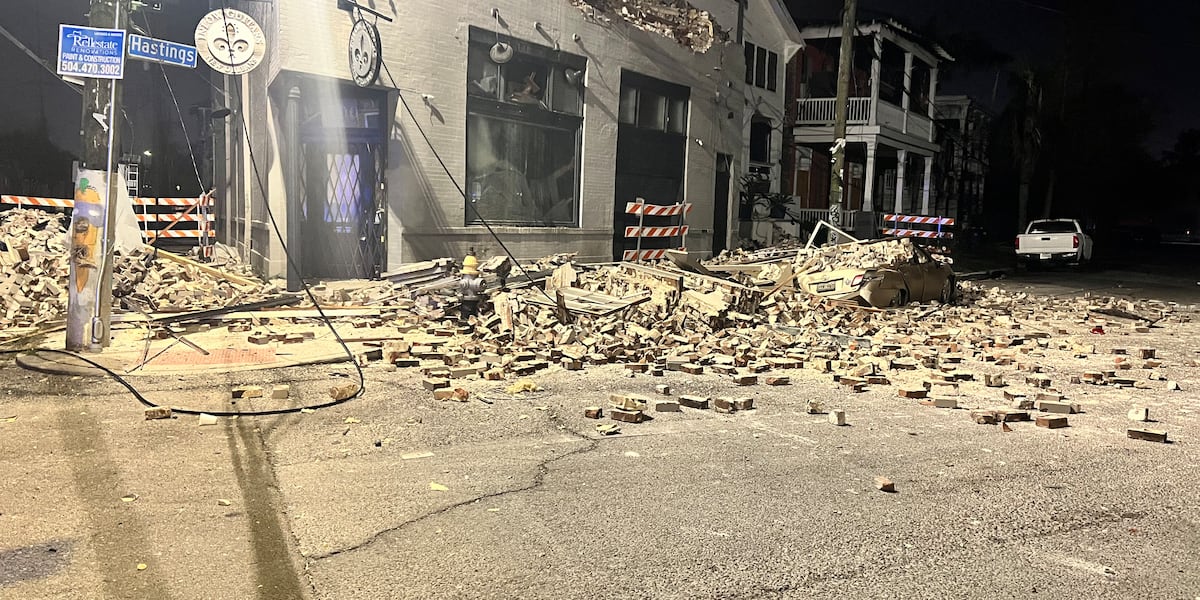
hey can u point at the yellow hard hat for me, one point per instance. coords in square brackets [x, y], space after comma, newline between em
[470, 265]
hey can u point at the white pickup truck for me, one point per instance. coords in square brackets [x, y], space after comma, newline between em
[1054, 241]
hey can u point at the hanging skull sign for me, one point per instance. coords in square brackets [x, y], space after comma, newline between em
[230, 41]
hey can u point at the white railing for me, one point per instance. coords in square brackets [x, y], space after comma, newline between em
[821, 111]
[812, 215]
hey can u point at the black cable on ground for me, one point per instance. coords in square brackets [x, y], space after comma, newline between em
[291, 264]
[183, 411]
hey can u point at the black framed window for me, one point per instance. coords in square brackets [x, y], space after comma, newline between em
[762, 67]
[524, 124]
[649, 103]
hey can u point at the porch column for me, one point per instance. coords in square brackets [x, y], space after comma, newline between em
[869, 182]
[904, 98]
[873, 119]
[901, 166]
[291, 180]
[925, 184]
[933, 80]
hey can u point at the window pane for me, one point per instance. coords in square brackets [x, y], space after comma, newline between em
[628, 105]
[760, 141]
[525, 82]
[749, 63]
[483, 75]
[677, 119]
[772, 70]
[567, 92]
[652, 111]
[520, 173]
[760, 68]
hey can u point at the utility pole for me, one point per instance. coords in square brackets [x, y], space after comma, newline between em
[89, 307]
[845, 68]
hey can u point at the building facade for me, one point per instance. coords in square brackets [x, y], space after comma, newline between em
[964, 129]
[535, 122]
[891, 139]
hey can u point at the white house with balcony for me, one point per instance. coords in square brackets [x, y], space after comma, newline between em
[890, 133]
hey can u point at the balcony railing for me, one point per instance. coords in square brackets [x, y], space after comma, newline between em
[820, 111]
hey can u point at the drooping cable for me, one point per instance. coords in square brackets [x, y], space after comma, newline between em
[183, 411]
[186, 138]
[458, 187]
[291, 262]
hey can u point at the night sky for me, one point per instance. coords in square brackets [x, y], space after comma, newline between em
[1152, 53]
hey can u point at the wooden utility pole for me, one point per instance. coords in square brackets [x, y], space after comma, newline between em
[89, 316]
[845, 68]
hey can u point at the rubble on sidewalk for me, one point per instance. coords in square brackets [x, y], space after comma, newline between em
[740, 316]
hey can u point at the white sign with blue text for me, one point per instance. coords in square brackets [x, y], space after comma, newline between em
[161, 51]
[91, 52]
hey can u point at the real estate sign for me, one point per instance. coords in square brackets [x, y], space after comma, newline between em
[91, 52]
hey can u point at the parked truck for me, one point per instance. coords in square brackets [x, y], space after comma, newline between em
[1049, 241]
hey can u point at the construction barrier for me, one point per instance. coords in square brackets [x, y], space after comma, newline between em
[636, 255]
[938, 223]
[641, 231]
[165, 218]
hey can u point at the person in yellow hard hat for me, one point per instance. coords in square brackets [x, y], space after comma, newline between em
[470, 288]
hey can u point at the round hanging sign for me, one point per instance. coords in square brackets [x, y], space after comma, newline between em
[366, 53]
[230, 41]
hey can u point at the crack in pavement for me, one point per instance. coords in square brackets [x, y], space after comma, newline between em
[539, 478]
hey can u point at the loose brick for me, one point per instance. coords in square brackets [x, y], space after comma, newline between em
[593, 412]
[1010, 416]
[248, 391]
[743, 403]
[1173, 386]
[629, 401]
[495, 374]
[945, 403]
[724, 405]
[913, 393]
[435, 383]
[281, 392]
[778, 380]
[1146, 353]
[698, 402]
[837, 417]
[157, 412]
[663, 389]
[692, 369]
[983, 417]
[637, 367]
[666, 406]
[884, 484]
[994, 380]
[1149, 435]
[259, 339]
[746, 379]
[344, 391]
[626, 416]
[1052, 421]
[1048, 406]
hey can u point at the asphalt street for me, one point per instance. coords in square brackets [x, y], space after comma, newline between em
[394, 495]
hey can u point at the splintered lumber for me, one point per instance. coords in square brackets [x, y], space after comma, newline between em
[591, 303]
[215, 272]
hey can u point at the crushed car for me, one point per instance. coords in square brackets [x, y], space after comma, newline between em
[882, 276]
